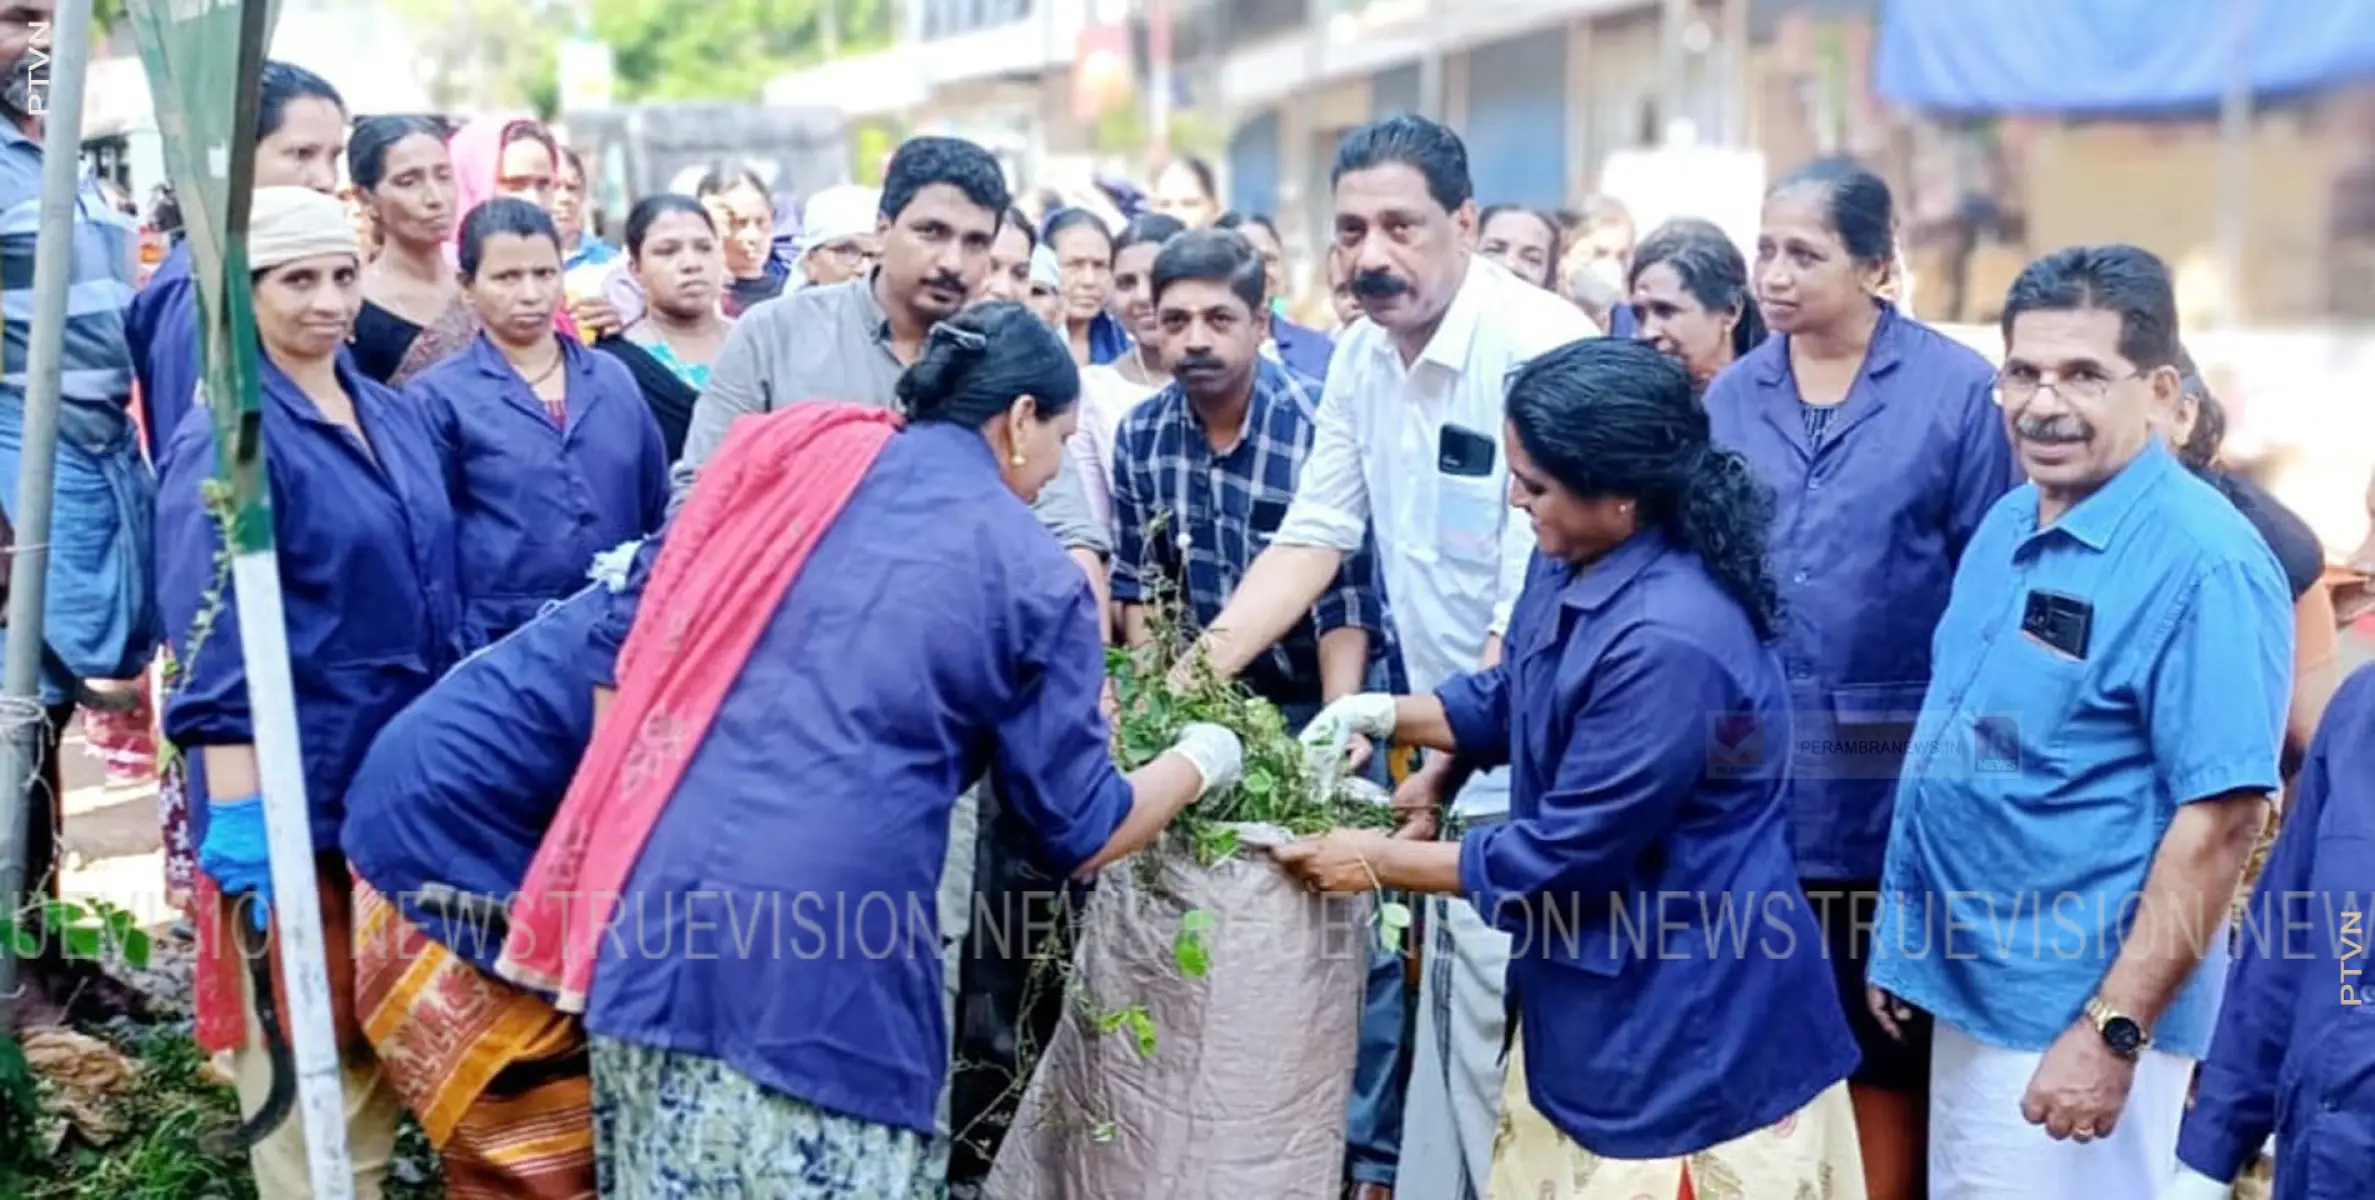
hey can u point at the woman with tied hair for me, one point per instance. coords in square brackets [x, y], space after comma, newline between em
[549, 453]
[414, 313]
[1883, 445]
[369, 600]
[1690, 298]
[742, 766]
[1630, 706]
[673, 259]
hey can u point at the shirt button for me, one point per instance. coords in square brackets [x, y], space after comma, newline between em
[1813, 484]
[1800, 577]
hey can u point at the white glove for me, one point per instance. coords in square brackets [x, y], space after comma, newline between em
[2190, 1184]
[1369, 714]
[1216, 754]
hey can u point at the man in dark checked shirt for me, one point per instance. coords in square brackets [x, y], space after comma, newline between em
[1204, 471]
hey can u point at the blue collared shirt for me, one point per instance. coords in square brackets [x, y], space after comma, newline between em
[460, 788]
[1668, 974]
[100, 612]
[1167, 481]
[366, 551]
[2040, 782]
[1868, 527]
[783, 915]
[2295, 1051]
[535, 501]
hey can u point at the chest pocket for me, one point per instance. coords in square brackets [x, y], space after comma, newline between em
[1468, 512]
[2029, 705]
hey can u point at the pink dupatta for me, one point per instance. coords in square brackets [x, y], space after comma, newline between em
[763, 503]
[477, 152]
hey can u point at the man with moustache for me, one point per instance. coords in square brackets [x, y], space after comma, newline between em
[1409, 436]
[100, 619]
[2102, 730]
[943, 200]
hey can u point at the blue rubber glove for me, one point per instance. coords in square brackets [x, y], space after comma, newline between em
[235, 853]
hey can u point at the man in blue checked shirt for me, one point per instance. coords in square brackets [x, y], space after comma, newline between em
[1203, 473]
[1205, 469]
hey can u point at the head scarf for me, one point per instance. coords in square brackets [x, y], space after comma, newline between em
[285, 224]
[1044, 267]
[477, 150]
[845, 211]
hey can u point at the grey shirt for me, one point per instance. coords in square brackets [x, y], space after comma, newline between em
[834, 343]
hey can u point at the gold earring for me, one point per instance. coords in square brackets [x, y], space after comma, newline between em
[1017, 459]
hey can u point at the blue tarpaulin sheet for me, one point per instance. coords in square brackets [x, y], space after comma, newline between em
[2114, 56]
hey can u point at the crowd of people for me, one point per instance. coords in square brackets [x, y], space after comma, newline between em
[1837, 756]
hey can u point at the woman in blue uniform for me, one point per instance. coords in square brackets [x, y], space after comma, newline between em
[1690, 298]
[550, 454]
[2294, 1054]
[1883, 446]
[849, 624]
[442, 821]
[1679, 1029]
[366, 550]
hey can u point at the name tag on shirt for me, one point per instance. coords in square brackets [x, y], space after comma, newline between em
[2060, 622]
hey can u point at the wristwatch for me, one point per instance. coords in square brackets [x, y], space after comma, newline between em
[2123, 1034]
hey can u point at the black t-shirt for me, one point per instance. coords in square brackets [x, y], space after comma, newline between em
[2296, 545]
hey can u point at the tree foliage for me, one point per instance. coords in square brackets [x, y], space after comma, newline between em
[506, 52]
[729, 49]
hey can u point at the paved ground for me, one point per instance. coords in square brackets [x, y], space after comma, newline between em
[113, 850]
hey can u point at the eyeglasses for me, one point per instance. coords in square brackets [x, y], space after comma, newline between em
[2020, 384]
[847, 254]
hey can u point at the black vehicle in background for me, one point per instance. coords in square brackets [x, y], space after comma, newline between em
[641, 150]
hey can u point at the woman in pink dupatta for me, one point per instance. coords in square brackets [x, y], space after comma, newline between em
[513, 156]
[847, 626]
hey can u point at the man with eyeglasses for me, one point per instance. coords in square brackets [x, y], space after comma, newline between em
[2101, 733]
[837, 237]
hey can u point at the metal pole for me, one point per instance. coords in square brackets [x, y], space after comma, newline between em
[60, 108]
[2234, 163]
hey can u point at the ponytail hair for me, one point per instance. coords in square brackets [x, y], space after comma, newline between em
[976, 364]
[1613, 417]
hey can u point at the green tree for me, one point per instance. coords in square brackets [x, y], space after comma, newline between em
[730, 49]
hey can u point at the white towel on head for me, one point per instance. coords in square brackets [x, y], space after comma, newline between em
[1044, 267]
[843, 211]
[285, 224]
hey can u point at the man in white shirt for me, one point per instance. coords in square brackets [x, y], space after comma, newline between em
[1409, 440]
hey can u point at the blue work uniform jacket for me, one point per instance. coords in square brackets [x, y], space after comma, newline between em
[1667, 973]
[1868, 528]
[2294, 1051]
[534, 500]
[366, 553]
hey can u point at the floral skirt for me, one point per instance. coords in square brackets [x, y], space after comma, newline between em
[1809, 1155]
[670, 1125]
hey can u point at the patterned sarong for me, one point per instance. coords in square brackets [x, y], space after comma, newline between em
[675, 1124]
[1809, 1155]
[496, 1077]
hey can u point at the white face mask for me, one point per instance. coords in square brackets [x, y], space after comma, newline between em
[1608, 272]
